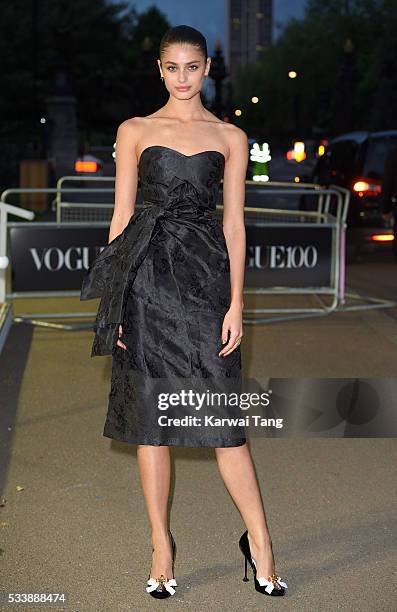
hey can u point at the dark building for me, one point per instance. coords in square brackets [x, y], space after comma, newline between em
[248, 31]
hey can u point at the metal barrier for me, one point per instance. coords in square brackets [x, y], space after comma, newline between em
[70, 212]
[274, 217]
[5, 210]
[320, 217]
[5, 309]
[87, 211]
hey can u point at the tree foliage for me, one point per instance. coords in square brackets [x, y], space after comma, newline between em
[105, 48]
[97, 41]
[344, 53]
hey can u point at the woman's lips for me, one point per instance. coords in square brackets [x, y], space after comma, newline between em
[183, 88]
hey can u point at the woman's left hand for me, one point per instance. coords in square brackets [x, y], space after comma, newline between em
[232, 322]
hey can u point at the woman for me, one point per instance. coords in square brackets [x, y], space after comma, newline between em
[171, 283]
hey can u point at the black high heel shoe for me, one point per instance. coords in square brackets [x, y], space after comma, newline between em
[162, 588]
[267, 587]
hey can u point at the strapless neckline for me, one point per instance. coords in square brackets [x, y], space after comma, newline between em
[179, 152]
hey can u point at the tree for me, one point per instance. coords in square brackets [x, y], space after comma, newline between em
[97, 42]
[344, 53]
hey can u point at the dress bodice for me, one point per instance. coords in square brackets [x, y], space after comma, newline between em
[179, 195]
[169, 178]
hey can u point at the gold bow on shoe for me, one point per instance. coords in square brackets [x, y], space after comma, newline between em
[162, 583]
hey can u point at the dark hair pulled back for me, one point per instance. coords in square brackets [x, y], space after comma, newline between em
[184, 34]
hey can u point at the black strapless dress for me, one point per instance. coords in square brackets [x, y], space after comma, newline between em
[166, 279]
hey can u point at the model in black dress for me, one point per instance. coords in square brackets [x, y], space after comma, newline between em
[171, 287]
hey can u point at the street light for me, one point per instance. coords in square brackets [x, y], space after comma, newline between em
[292, 74]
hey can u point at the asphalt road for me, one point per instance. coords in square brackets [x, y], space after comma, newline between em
[375, 274]
[74, 519]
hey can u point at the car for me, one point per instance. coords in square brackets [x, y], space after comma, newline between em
[356, 161]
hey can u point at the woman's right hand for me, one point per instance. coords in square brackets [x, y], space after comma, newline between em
[119, 343]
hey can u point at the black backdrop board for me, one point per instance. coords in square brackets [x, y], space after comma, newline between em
[51, 257]
[293, 255]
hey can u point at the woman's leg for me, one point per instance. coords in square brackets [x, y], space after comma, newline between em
[238, 473]
[155, 472]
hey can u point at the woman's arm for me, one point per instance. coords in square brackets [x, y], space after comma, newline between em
[233, 211]
[234, 231]
[126, 177]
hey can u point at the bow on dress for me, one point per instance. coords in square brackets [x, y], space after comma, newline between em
[117, 264]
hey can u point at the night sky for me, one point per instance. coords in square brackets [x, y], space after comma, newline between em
[208, 15]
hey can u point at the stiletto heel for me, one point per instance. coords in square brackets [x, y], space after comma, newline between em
[161, 588]
[245, 579]
[262, 585]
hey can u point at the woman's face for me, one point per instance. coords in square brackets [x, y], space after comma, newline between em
[184, 68]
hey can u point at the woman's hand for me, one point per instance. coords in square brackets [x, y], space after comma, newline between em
[119, 343]
[232, 322]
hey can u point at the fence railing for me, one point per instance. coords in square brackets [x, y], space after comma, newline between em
[260, 217]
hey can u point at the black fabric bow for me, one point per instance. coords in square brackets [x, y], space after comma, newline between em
[115, 268]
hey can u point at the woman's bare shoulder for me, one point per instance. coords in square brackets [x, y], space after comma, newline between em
[138, 125]
[134, 129]
[131, 123]
[234, 138]
[235, 134]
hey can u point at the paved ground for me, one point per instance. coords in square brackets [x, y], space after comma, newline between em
[79, 522]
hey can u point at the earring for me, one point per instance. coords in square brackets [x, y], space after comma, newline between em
[162, 78]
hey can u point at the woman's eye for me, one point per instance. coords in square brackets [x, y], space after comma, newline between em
[171, 68]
